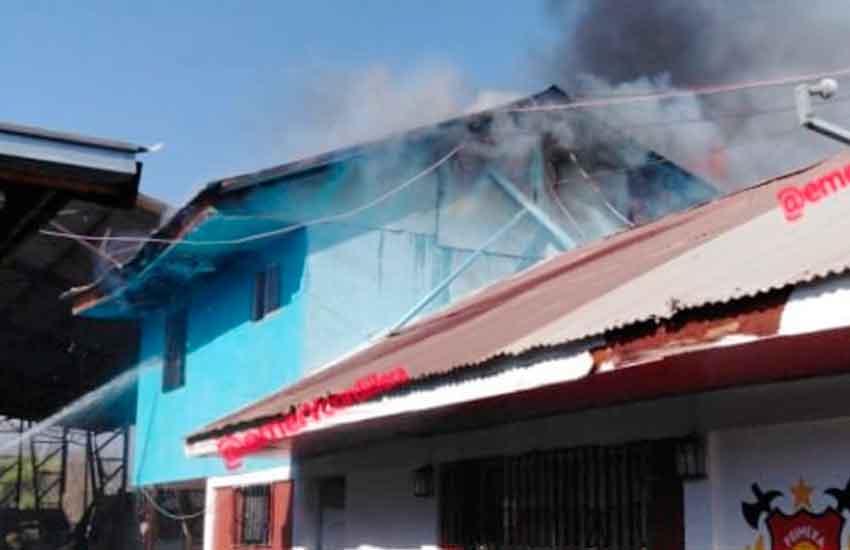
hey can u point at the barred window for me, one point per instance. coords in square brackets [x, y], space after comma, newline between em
[589, 497]
[254, 515]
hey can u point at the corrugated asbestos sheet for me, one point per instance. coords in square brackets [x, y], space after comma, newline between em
[738, 246]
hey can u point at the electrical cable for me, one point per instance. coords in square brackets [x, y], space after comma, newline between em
[588, 103]
[177, 517]
[87, 245]
[142, 240]
[741, 115]
[684, 92]
[266, 234]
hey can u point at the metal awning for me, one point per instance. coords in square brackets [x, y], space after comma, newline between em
[70, 184]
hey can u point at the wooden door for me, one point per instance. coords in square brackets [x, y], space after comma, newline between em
[228, 510]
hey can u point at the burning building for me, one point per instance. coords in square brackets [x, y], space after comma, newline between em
[264, 279]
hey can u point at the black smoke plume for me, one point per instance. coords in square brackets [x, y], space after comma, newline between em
[616, 47]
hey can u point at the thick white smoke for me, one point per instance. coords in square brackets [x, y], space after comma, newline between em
[341, 108]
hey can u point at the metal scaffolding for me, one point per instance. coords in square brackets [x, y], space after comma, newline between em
[34, 471]
[106, 463]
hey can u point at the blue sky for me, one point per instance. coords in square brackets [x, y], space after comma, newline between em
[222, 84]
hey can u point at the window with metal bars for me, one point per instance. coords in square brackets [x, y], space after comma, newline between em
[174, 363]
[581, 498]
[266, 292]
[254, 515]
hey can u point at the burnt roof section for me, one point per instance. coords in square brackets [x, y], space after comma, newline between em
[739, 246]
[69, 138]
[474, 122]
[201, 206]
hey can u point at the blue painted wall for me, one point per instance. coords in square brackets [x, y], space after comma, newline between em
[231, 361]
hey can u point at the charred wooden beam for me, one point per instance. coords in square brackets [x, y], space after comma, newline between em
[23, 211]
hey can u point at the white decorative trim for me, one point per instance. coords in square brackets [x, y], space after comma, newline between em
[815, 307]
[281, 473]
[544, 373]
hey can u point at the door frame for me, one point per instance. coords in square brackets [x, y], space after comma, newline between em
[270, 475]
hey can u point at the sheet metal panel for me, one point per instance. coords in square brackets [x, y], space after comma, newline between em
[65, 152]
[766, 253]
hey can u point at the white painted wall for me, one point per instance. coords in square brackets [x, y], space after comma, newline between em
[793, 429]
[384, 497]
[776, 458]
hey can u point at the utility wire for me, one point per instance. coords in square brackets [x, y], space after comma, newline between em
[167, 513]
[357, 210]
[730, 115]
[685, 92]
[81, 240]
[589, 103]
[266, 234]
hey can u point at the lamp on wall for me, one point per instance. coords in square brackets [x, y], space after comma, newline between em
[690, 458]
[423, 481]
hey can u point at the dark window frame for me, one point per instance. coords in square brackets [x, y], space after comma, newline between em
[254, 516]
[174, 356]
[265, 292]
[623, 496]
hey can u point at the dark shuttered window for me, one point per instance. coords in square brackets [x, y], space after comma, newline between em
[174, 368]
[618, 498]
[266, 292]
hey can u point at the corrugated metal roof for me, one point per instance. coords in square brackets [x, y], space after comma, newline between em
[737, 246]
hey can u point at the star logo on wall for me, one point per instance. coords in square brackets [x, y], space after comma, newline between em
[802, 495]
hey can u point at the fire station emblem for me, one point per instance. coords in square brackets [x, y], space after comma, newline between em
[803, 529]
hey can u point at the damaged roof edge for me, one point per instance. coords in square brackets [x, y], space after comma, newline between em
[691, 331]
[93, 295]
[549, 96]
[85, 298]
